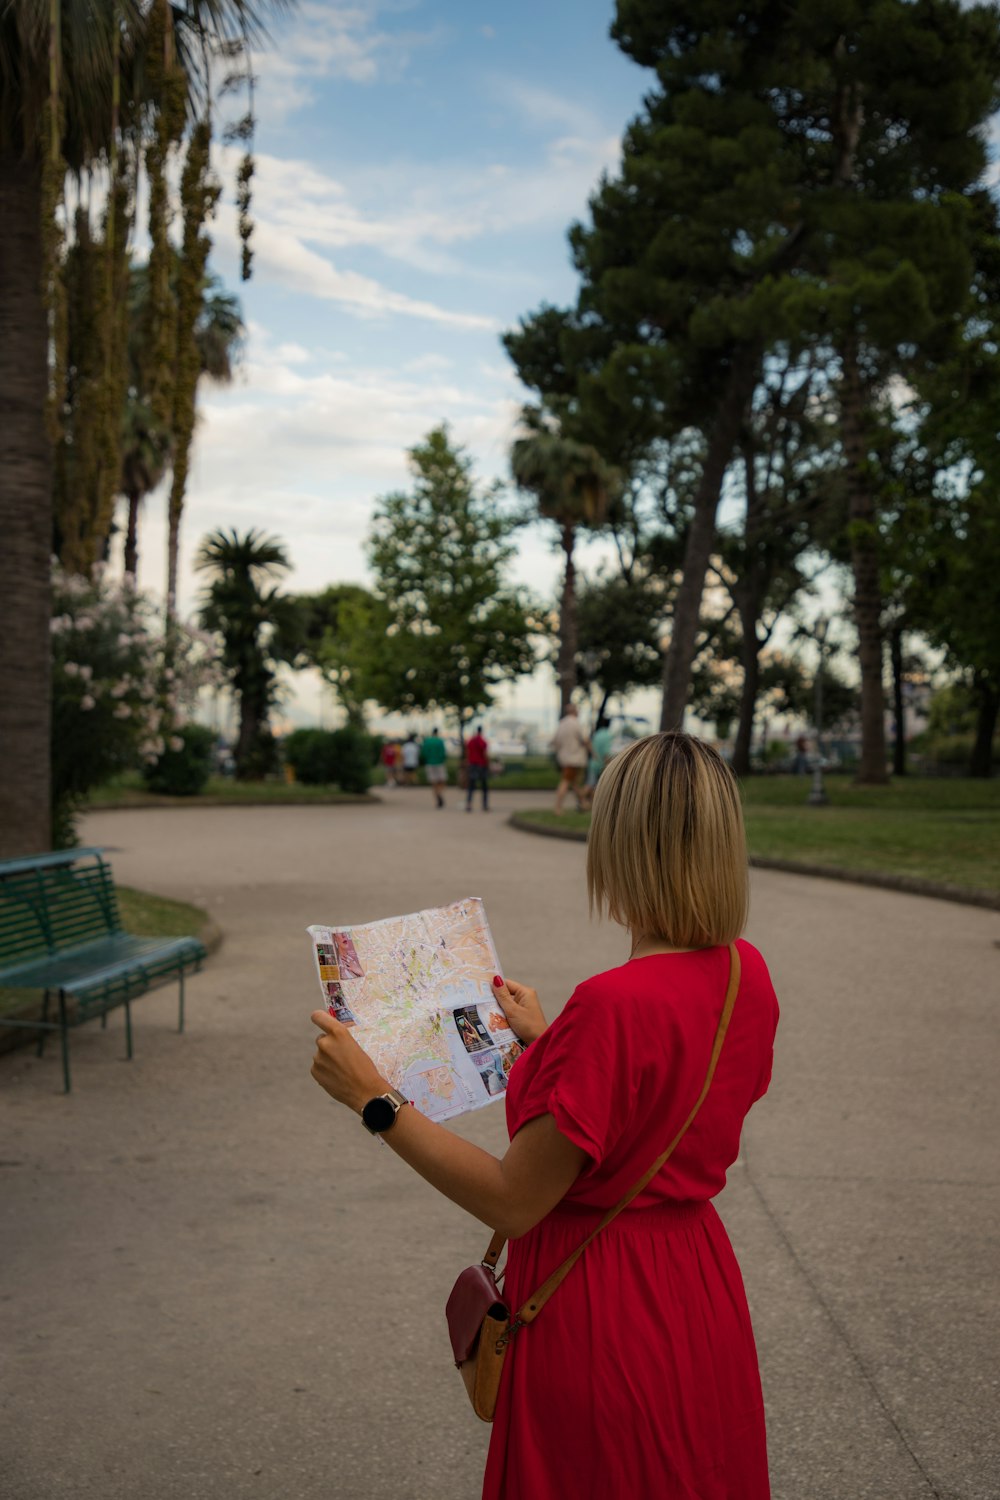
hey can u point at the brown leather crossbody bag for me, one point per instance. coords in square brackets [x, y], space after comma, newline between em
[479, 1318]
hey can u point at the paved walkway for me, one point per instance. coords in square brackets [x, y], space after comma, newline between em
[217, 1287]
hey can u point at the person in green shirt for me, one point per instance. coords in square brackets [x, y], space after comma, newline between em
[600, 753]
[434, 757]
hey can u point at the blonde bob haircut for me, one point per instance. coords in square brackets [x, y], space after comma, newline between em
[667, 854]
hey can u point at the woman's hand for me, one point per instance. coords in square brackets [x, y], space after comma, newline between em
[342, 1067]
[520, 1005]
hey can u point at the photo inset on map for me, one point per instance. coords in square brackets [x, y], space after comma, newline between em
[473, 1033]
[491, 1072]
[347, 955]
[328, 966]
[510, 1054]
[337, 1005]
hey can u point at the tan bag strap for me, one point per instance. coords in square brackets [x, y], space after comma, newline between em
[534, 1305]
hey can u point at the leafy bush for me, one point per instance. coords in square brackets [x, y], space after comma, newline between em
[184, 770]
[115, 701]
[321, 757]
[352, 759]
[310, 754]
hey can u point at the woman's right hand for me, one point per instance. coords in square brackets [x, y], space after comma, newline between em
[520, 1005]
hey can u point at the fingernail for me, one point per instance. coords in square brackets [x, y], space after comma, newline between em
[498, 981]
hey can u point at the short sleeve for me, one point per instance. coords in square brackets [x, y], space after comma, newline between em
[574, 1072]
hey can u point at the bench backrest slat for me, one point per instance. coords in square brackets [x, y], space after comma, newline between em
[49, 908]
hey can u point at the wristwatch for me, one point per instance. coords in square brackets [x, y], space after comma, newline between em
[379, 1114]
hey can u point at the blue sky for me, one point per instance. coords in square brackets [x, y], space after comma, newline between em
[419, 163]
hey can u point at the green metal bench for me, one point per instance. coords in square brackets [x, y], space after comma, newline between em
[60, 932]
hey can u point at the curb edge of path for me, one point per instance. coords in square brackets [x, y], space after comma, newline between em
[908, 885]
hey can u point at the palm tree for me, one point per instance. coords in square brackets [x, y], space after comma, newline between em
[218, 337]
[79, 91]
[572, 486]
[145, 460]
[147, 444]
[246, 607]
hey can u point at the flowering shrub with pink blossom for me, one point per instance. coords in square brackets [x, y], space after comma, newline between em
[116, 703]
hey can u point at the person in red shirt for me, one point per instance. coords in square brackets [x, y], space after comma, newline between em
[477, 764]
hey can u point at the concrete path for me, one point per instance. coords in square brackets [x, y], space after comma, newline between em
[216, 1286]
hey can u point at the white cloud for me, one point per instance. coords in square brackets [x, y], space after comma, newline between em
[544, 107]
[305, 452]
[287, 259]
[417, 217]
[332, 40]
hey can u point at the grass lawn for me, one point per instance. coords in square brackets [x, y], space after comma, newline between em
[142, 914]
[129, 791]
[929, 829]
[523, 773]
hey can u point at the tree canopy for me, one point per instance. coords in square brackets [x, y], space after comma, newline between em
[456, 630]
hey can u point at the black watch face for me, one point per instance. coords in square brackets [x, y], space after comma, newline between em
[378, 1114]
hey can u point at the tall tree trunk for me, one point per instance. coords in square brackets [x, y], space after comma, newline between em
[679, 656]
[131, 561]
[25, 519]
[566, 663]
[748, 700]
[988, 706]
[747, 595]
[865, 565]
[898, 701]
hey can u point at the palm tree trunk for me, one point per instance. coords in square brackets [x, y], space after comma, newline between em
[131, 560]
[566, 664]
[867, 583]
[246, 738]
[173, 551]
[679, 656]
[987, 697]
[25, 518]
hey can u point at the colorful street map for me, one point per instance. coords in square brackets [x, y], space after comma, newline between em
[419, 989]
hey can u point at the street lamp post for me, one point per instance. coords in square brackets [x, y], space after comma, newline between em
[817, 796]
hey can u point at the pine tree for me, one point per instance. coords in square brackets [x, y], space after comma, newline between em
[800, 175]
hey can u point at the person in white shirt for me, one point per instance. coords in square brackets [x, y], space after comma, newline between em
[572, 751]
[411, 760]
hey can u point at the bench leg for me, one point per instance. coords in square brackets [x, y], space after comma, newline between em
[45, 1016]
[128, 1030]
[180, 1008]
[64, 1037]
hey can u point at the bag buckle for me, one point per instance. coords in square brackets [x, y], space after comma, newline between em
[508, 1334]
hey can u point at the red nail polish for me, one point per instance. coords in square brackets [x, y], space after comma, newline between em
[498, 981]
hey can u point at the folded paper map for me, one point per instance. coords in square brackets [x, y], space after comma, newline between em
[419, 989]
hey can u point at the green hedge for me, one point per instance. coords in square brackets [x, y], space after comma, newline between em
[183, 772]
[338, 757]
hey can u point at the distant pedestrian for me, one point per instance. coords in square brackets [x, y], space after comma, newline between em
[477, 764]
[600, 753]
[435, 756]
[800, 764]
[572, 751]
[411, 760]
[390, 762]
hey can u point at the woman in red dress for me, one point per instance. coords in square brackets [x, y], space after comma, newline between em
[639, 1377]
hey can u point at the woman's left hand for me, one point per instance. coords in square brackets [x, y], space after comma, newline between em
[342, 1067]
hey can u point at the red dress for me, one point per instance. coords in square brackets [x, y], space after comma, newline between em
[639, 1378]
